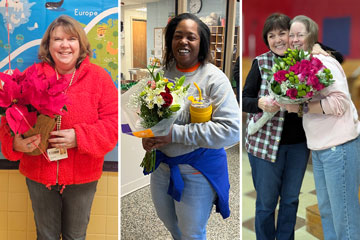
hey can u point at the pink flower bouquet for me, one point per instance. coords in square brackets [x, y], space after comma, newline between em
[25, 96]
[294, 79]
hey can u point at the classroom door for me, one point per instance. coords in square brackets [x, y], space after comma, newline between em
[139, 43]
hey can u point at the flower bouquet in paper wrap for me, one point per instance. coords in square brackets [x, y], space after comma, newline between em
[150, 108]
[30, 101]
[294, 79]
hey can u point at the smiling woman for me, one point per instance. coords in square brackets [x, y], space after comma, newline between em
[185, 44]
[278, 150]
[62, 187]
[64, 50]
[193, 153]
[332, 130]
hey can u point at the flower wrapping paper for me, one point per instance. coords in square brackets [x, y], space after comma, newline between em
[131, 121]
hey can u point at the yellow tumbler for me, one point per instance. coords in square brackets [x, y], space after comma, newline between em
[200, 112]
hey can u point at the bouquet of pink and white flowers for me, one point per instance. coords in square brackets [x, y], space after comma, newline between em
[294, 79]
[150, 107]
[298, 76]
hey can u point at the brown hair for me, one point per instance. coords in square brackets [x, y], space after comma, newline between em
[311, 27]
[273, 22]
[71, 27]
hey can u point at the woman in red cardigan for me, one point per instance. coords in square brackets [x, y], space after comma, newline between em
[62, 191]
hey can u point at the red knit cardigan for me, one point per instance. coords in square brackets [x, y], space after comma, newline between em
[92, 111]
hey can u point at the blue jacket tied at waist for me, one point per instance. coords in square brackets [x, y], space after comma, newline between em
[212, 163]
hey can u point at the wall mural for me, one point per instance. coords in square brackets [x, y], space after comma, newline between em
[23, 23]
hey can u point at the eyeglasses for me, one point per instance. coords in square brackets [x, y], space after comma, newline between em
[298, 35]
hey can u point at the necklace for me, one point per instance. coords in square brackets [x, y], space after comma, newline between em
[71, 80]
[58, 120]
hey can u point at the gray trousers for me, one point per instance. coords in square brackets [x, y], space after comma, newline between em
[65, 214]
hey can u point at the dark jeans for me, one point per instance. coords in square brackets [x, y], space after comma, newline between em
[65, 214]
[272, 181]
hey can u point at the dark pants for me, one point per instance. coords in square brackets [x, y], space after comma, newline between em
[272, 181]
[65, 214]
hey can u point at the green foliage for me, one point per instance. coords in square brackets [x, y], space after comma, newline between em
[275, 87]
[148, 162]
[175, 107]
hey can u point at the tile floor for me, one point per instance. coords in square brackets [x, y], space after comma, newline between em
[307, 198]
[139, 220]
[17, 218]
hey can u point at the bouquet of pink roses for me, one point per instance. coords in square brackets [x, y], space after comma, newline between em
[30, 101]
[294, 79]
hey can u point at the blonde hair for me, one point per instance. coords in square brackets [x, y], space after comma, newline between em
[71, 27]
[311, 27]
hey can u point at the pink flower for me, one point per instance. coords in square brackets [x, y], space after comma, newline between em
[24, 95]
[20, 119]
[311, 80]
[279, 76]
[309, 94]
[305, 67]
[318, 86]
[316, 63]
[295, 68]
[49, 104]
[152, 84]
[292, 93]
[10, 92]
[302, 77]
[314, 82]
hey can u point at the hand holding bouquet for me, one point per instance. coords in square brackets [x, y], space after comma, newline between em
[155, 100]
[293, 79]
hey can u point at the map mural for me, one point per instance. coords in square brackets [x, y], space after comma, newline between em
[23, 23]
[27, 20]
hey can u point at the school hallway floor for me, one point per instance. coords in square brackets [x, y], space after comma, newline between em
[139, 220]
[307, 198]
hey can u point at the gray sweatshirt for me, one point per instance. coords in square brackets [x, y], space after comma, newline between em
[224, 127]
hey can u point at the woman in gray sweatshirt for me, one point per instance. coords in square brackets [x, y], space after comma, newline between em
[191, 165]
